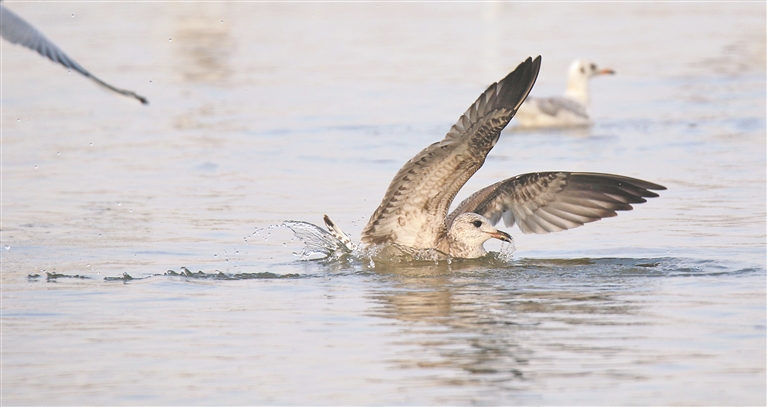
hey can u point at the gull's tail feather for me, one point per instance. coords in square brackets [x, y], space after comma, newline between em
[336, 232]
[316, 239]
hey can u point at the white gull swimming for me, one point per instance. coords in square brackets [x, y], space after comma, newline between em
[414, 210]
[571, 110]
[17, 31]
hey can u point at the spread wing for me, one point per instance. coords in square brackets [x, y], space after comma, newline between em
[18, 31]
[414, 208]
[545, 202]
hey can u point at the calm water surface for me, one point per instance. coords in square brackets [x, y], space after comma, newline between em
[265, 112]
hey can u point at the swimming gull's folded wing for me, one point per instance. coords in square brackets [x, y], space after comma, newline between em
[554, 106]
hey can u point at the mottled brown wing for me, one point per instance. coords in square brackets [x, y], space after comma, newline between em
[545, 202]
[415, 205]
[17, 31]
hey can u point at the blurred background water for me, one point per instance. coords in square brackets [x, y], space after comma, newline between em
[262, 112]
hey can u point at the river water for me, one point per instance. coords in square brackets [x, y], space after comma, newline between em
[265, 112]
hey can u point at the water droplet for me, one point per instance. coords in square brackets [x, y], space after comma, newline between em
[130, 210]
[90, 144]
[58, 152]
[284, 245]
[222, 21]
[35, 167]
[69, 71]
[215, 254]
[18, 120]
[150, 82]
[99, 234]
[7, 247]
[119, 203]
[170, 39]
[73, 16]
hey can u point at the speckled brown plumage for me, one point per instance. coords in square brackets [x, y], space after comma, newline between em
[414, 210]
[416, 203]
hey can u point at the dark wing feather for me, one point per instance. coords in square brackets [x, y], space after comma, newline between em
[414, 208]
[545, 202]
[17, 31]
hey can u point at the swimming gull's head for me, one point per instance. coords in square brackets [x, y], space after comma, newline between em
[581, 70]
[469, 232]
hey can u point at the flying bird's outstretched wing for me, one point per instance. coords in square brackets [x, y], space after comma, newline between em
[545, 202]
[414, 208]
[18, 31]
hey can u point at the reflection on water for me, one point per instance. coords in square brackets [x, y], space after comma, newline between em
[479, 331]
[538, 322]
[203, 42]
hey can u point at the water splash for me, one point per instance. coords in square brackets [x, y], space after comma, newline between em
[317, 240]
[320, 242]
[53, 276]
[218, 275]
[507, 251]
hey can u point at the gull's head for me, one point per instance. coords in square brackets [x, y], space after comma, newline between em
[581, 70]
[469, 232]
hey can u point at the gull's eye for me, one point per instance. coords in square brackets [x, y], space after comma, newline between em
[477, 223]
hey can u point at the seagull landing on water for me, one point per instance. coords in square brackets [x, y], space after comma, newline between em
[414, 211]
[18, 31]
[572, 109]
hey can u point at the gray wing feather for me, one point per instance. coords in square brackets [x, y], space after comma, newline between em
[415, 205]
[545, 202]
[17, 31]
[552, 106]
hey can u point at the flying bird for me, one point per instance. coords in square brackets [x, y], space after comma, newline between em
[414, 210]
[571, 110]
[17, 31]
